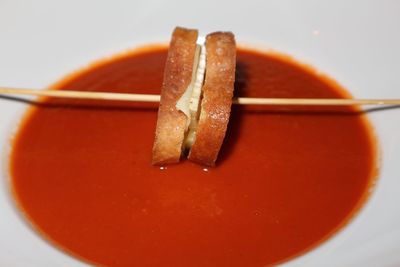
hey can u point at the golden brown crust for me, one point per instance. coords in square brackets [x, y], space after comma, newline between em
[171, 123]
[217, 97]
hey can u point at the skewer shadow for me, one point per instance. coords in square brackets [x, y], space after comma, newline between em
[320, 111]
[16, 99]
[376, 109]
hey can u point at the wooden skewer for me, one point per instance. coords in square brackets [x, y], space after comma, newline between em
[156, 98]
[81, 94]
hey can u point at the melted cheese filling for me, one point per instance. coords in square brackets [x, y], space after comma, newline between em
[189, 103]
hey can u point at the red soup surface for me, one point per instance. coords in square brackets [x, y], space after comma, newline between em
[286, 178]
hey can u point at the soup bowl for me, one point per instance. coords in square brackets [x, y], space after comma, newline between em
[354, 43]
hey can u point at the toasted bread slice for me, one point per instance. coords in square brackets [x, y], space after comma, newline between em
[172, 123]
[217, 98]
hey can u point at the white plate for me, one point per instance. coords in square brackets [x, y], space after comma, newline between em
[355, 42]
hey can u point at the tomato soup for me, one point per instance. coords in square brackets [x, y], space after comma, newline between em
[286, 178]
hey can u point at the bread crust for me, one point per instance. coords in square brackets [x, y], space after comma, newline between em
[217, 97]
[171, 123]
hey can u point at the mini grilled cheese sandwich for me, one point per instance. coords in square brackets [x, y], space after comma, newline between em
[196, 97]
